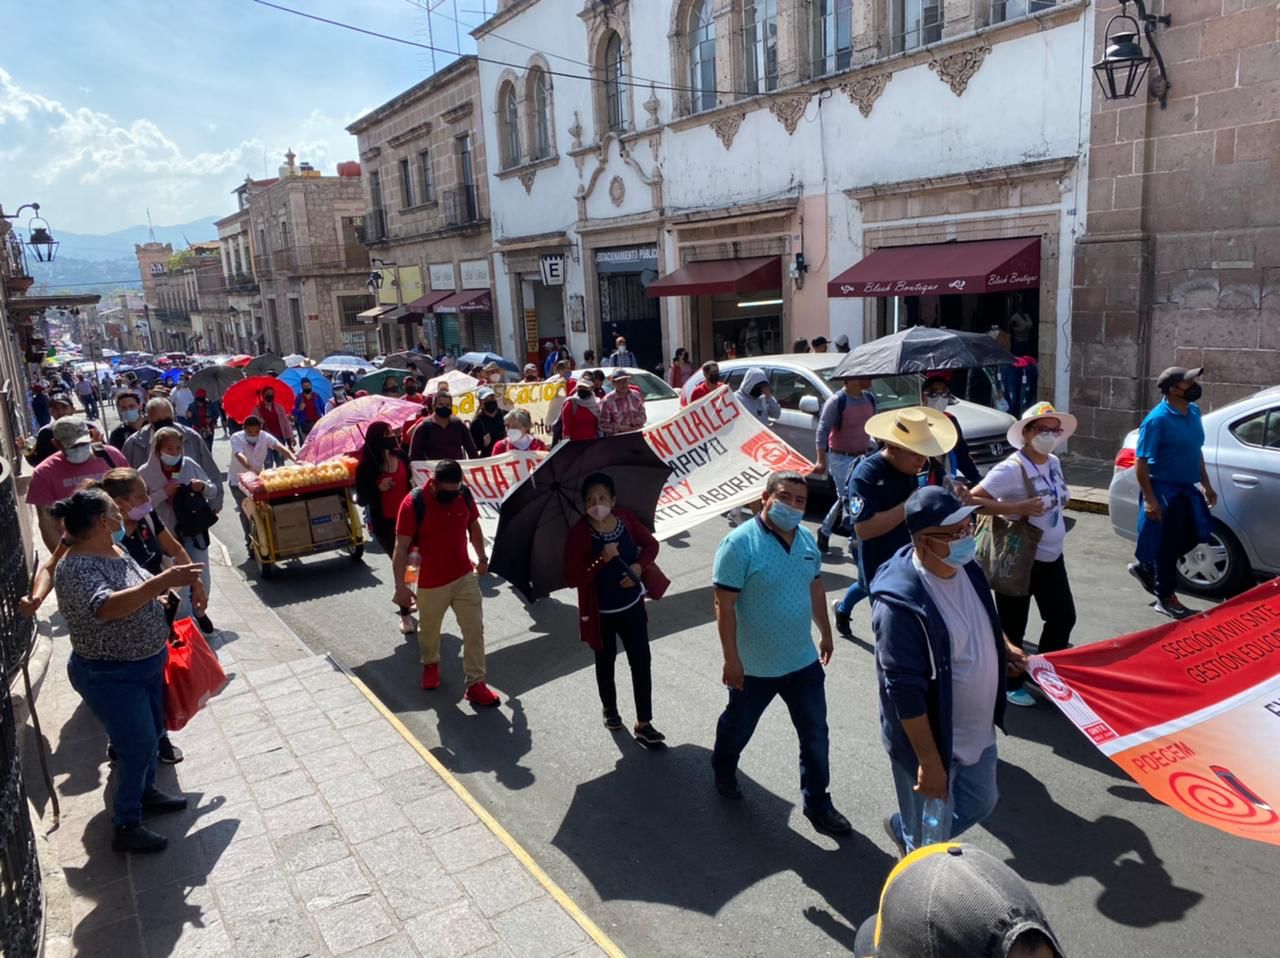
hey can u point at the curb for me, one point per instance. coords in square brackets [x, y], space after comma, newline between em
[1088, 505]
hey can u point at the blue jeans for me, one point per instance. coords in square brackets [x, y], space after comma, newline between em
[806, 698]
[858, 588]
[839, 464]
[128, 699]
[197, 554]
[971, 797]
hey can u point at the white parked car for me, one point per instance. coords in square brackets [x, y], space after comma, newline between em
[801, 384]
[1242, 456]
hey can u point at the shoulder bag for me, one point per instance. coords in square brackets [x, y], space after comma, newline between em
[1007, 547]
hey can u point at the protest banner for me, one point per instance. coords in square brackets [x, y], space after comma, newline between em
[719, 456]
[1190, 710]
[540, 400]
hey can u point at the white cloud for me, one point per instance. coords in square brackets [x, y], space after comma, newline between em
[128, 165]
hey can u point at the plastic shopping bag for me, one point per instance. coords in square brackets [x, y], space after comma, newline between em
[191, 677]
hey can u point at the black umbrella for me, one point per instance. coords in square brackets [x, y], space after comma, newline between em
[535, 517]
[268, 364]
[922, 349]
[418, 363]
[216, 380]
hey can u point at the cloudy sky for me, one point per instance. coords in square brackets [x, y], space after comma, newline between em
[107, 109]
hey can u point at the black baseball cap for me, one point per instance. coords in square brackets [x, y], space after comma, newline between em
[1177, 374]
[952, 900]
[819, 341]
[934, 506]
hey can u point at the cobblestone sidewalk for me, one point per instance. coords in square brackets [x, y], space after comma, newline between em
[315, 829]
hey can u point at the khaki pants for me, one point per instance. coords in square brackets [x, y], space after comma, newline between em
[462, 595]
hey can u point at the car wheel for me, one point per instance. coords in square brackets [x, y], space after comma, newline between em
[1216, 569]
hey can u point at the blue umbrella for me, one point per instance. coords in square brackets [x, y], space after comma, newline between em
[483, 359]
[172, 375]
[294, 376]
[147, 374]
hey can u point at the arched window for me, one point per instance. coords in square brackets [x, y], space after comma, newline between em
[541, 138]
[509, 117]
[702, 57]
[615, 104]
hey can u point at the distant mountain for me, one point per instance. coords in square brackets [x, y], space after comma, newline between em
[117, 245]
[67, 274]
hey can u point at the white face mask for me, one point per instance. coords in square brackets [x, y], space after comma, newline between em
[79, 454]
[514, 436]
[599, 513]
[937, 402]
[1044, 443]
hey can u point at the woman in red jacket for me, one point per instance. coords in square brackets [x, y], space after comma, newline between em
[520, 437]
[609, 558]
[580, 415]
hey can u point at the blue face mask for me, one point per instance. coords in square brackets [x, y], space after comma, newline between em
[783, 516]
[171, 460]
[961, 552]
[117, 535]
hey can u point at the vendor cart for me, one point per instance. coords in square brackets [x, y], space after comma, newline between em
[291, 523]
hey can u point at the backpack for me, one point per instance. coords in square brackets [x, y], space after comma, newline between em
[842, 403]
[419, 498]
[193, 515]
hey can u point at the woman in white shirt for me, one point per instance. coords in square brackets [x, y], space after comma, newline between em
[1034, 467]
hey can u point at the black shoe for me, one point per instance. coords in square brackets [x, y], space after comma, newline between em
[1172, 607]
[646, 734]
[205, 623]
[612, 721]
[156, 802]
[843, 625]
[111, 753]
[138, 840]
[169, 753]
[1143, 574]
[829, 822]
[727, 786]
[824, 542]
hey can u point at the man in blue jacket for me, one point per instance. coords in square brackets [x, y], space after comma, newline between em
[941, 659]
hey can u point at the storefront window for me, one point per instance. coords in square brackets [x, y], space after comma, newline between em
[746, 325]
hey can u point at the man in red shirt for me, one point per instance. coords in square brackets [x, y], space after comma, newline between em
[275, 420]
[439, 519]
[710, 382]
[76, 460]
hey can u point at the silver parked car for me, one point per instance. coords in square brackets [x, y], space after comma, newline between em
[801, 383]
[1242, 456]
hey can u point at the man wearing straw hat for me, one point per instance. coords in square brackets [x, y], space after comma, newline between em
[879, 488]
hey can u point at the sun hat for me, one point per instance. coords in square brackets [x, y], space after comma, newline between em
[1041, 410]
[917, 429]
[952, 900]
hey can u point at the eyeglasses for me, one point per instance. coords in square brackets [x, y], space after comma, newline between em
[945, 394]
[965, 530]
[1046, 431]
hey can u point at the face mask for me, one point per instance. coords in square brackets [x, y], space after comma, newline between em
[444, 412]
[251, 440]
[130, 415]
[490, 406]
[495, 377]
[961, 552]
[78, 454]
[117, 535]
[783, 516]
[138, 513]
[162, 424]
[1193, 392]
[171, 460]
[599, 513]
[936, 402]
[306, 387]
[713, 377]
[446, 495]
[515, 435]
[1044, 444]
[391, 442]
[584, 393]
[268, 397]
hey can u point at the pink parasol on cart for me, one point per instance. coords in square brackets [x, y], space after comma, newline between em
[341, 431]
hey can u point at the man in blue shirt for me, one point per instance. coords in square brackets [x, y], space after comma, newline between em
[1170, 463]
[768, 588]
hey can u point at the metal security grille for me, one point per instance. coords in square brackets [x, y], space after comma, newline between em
[16, 631]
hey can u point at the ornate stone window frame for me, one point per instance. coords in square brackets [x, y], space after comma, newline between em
[602, 21]
[509, 91]
[538, 70]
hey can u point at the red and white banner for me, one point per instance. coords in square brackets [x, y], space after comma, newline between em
[1190, 710]
[719, 456]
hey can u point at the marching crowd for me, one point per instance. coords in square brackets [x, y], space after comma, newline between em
[126, 518]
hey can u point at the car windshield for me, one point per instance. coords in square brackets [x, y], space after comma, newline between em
[891, 392]
[650, 385]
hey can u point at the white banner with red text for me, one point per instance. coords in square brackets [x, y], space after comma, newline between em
[719, 456]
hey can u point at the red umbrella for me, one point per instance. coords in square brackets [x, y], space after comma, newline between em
[239, 361]
[341, 431]
[243, 397]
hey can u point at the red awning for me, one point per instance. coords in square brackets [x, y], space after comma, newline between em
[426, 303]
[707, 276]
[466, 301]
[983, 266]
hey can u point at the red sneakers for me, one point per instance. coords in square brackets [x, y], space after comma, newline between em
[431, 676]
[481, 695]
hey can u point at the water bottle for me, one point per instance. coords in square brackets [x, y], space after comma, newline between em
[411, 570]
[935, 825]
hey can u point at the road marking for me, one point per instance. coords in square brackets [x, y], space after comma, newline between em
[559, 894]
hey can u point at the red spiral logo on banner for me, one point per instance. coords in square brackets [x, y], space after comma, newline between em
[1051, 685]
[1215, 800]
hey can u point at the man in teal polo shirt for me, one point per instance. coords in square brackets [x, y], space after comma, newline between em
[1170, 464]
[768, 589]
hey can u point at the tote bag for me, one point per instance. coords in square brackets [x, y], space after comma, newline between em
[1007, 548]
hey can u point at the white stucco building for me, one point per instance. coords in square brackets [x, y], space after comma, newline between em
[735, 157]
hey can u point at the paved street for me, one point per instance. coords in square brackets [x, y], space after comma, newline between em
[644, 845]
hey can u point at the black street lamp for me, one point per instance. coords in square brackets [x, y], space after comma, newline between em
[39, 238]
[1124, 65]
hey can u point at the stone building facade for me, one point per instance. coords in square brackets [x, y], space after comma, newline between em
[1180, 260]
[426, 221]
